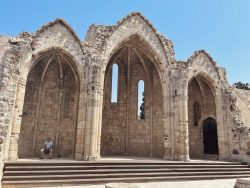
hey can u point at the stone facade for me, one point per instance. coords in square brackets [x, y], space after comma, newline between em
[54, 84]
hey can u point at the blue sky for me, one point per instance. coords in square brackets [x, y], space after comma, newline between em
[221, 27]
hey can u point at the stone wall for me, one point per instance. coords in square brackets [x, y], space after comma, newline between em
[243, 103]
[10, 55]
[4, 47]
[239, 126]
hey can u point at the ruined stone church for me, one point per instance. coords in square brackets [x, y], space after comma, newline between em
[54, 84]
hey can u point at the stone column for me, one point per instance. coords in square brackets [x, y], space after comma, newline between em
[79, 144]
[222, 128]
[183, 129]
[182, 135]
[92, 132]
[100, 124]
[168, 121]
[16, 125]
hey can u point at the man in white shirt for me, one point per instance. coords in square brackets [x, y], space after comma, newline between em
[47, 148]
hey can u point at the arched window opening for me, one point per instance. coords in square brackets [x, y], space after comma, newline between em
[114, 90]
[141, 100]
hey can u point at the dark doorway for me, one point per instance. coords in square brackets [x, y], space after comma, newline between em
[210, 138]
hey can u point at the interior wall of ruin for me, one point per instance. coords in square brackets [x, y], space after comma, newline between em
[122, 132]
[157, 115]
[199, 93]
[50, 109]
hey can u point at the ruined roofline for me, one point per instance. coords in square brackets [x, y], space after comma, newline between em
[122, 20]
[64, 24]
[195, 55]
[166, 43]
[201, 51]
[221, 71]
[132, 14]
[5, 36]
[163, 40]
[57, 21]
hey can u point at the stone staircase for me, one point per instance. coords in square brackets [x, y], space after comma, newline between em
[29, 174]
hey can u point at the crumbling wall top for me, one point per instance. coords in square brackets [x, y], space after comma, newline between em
[197, 53]
[98, 35]
[166, 43]
[57, 21]
[200, 59]
[49, 25]
[4, 45]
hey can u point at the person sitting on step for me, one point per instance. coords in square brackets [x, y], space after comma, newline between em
[47, 149]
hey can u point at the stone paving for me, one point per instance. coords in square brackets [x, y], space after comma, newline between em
[227, 183]
[120, 159]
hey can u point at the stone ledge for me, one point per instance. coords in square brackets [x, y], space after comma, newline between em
[242, 183]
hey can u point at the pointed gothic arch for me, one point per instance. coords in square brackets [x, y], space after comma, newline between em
[54, 107]
[120, 121]
[201, 105]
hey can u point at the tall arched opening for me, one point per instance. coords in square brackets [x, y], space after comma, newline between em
[50, 107]
[125, 130]
[201, 107]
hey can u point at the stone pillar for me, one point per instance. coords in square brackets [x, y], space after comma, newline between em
[17, 119]
[222, 128]
[100, 124]
[92, 132]
[182, 135]
[183, 129]
[79, 148]
[168, 121]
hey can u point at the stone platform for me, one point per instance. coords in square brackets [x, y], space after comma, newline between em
[55, 172]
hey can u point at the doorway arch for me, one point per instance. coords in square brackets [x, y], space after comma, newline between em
[210, 137]
[201, 105]
[50, 106]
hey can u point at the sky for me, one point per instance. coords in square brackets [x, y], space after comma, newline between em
[221, 27]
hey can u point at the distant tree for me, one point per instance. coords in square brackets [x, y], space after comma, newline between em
[142, 108]
[240, 85]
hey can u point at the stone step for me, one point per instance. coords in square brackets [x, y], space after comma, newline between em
[85, 163]
[89, 176]
[108, 180]
[43, 172]
[110, 171]
[107, 166]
